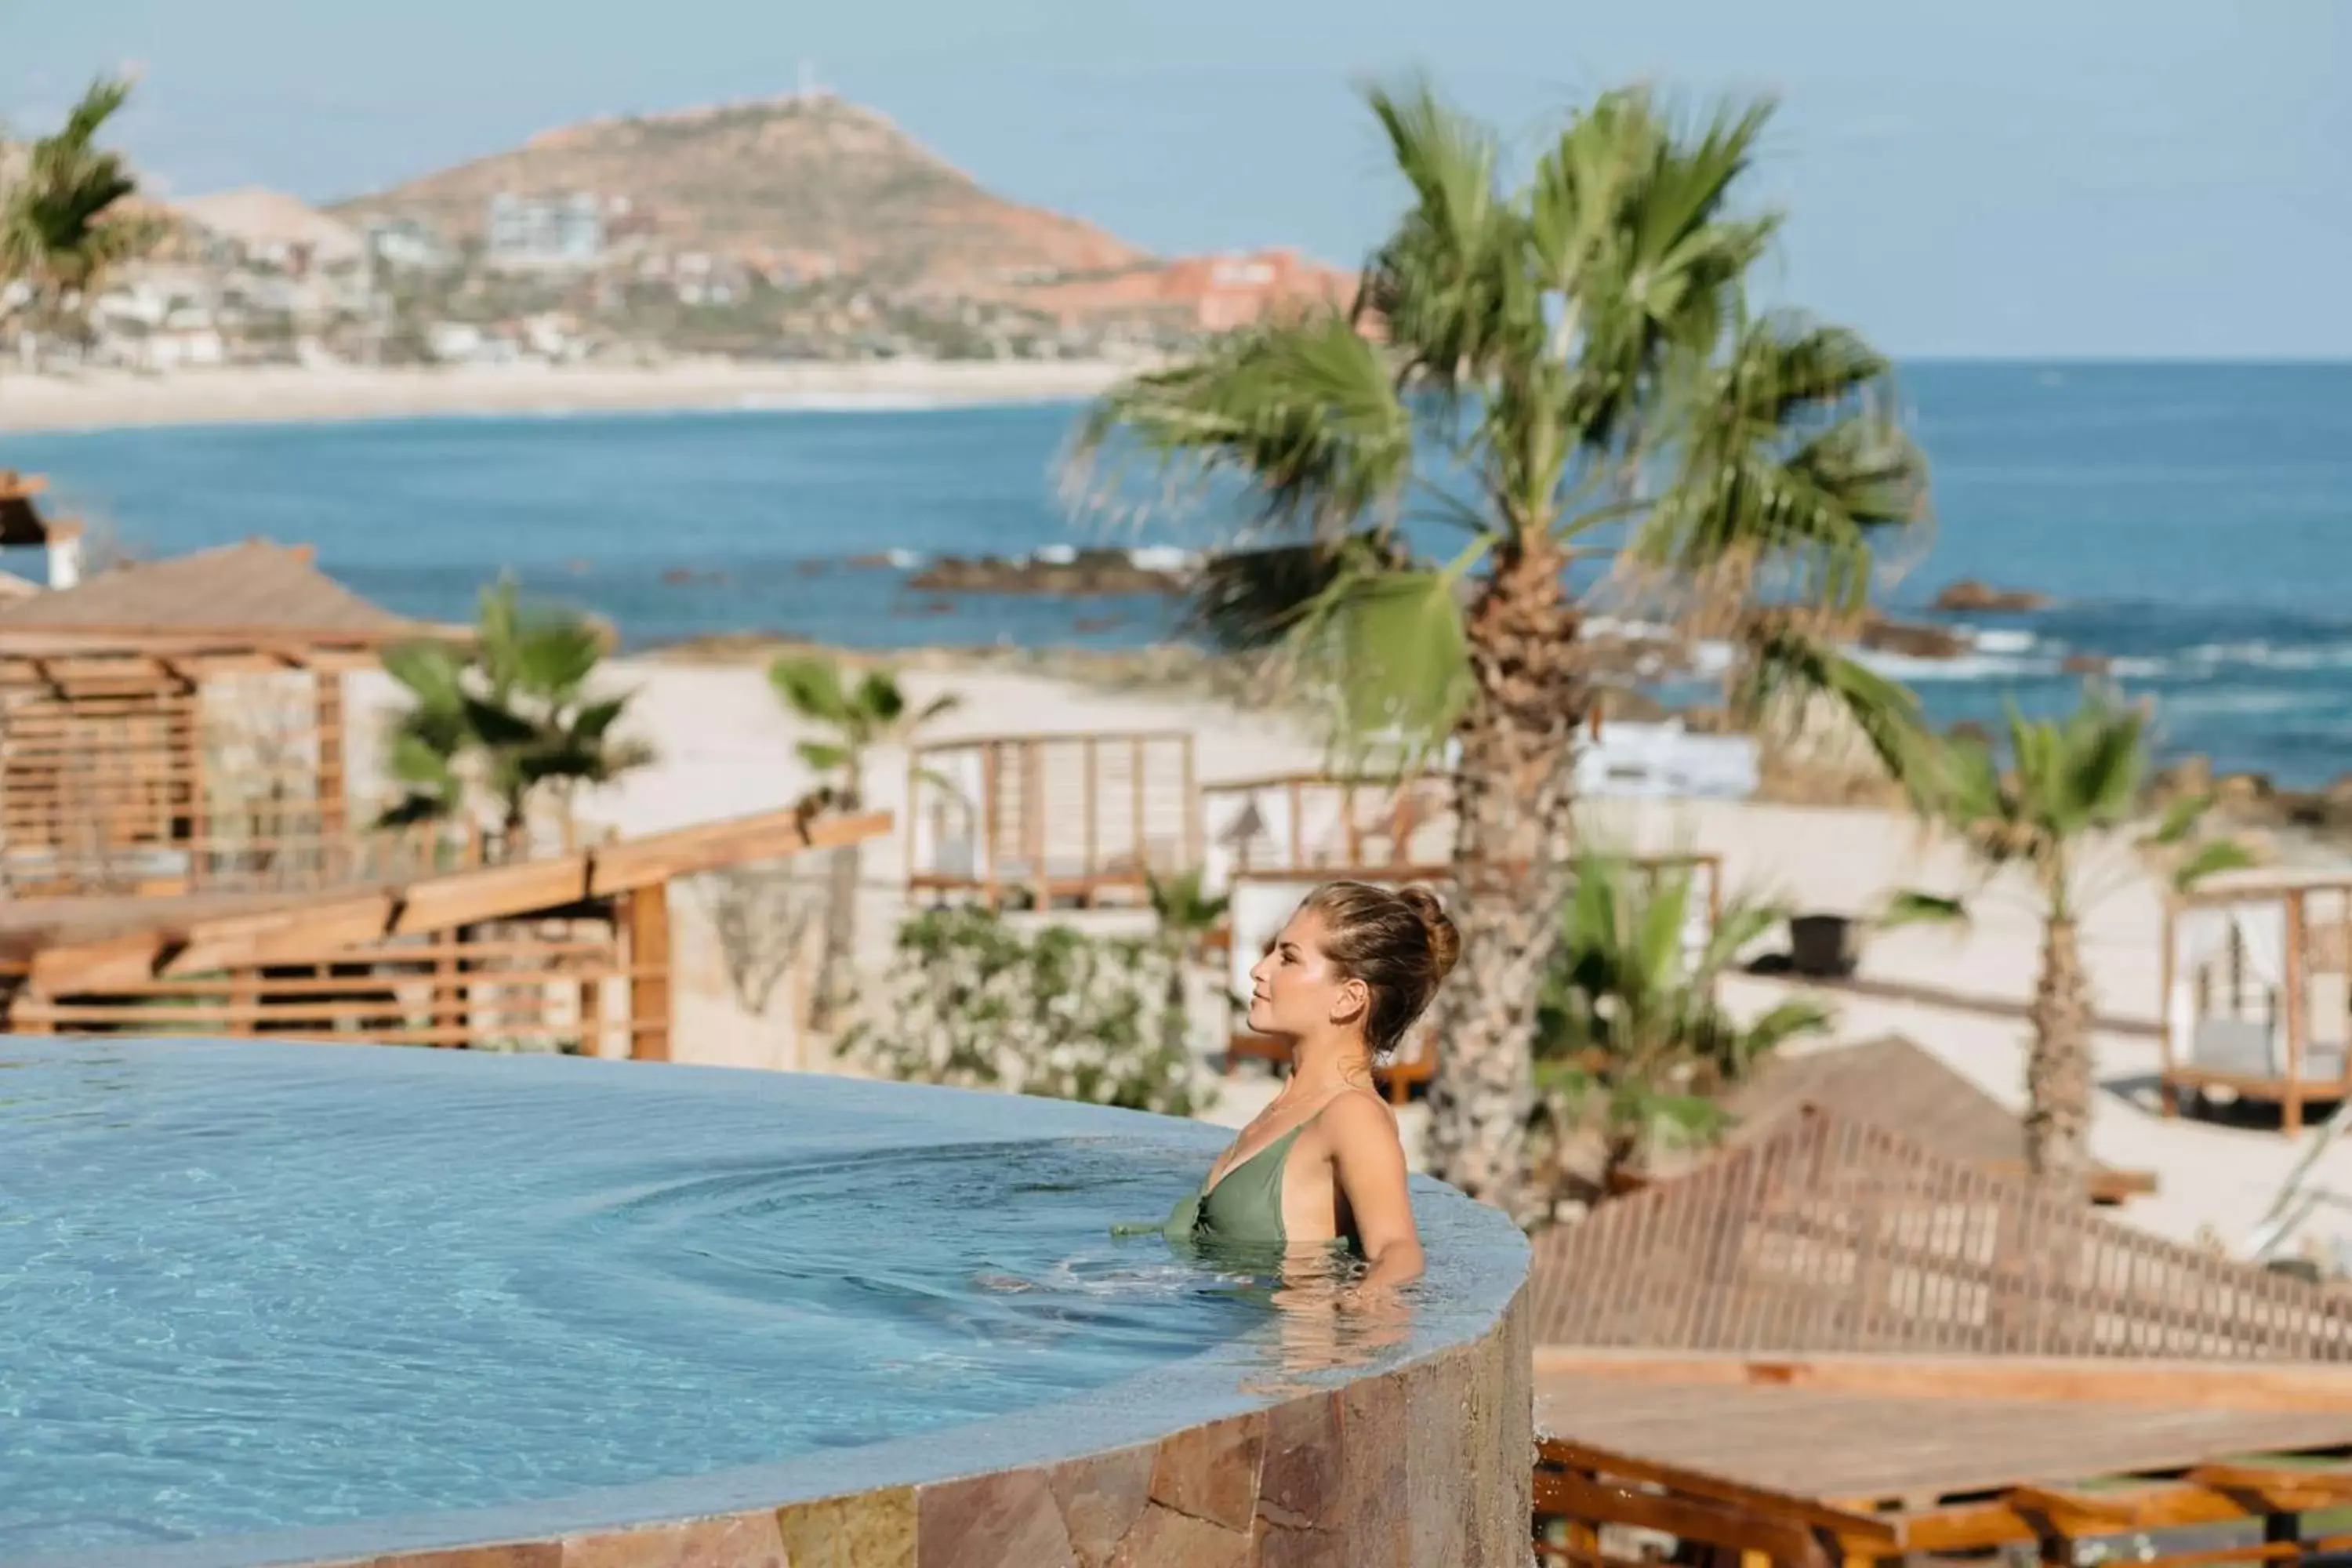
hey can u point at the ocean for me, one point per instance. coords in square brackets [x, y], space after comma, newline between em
[2193, 523]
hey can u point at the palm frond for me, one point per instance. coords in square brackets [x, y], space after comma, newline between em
[2211, 860]
[1306, 412]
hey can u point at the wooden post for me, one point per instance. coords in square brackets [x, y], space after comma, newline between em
[1134, 752]
[449, 1006]
[992, 814]
[1033, 820]
[1093, 763]
[649, 990]
[335, 802]
[2293, 977]
[1194, 834]
[2167, 1089]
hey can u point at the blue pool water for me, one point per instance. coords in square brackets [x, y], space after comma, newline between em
[251, 1287]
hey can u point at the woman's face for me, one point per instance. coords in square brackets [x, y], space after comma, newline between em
[1294, 990]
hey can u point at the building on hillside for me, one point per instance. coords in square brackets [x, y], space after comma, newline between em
[532, 233]
[408, 245]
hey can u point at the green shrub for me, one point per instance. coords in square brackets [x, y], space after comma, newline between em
[975, 1003]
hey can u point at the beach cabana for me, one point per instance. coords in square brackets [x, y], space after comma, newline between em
[1401, 828]
[1042, 821]
[569, 952]
[2258, 992]
[180, 726]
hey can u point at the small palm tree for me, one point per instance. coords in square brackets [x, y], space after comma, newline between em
[511, 718]
[62, 220]
[1633, 1050]
[871, 713]
[1564, 370]
[1186, 914]
[2073, 789]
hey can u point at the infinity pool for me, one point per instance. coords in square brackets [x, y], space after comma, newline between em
[249, 1288]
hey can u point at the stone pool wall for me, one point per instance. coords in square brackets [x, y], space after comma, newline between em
[1428, 1466]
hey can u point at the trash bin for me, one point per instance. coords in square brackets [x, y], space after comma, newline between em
[1822, 945]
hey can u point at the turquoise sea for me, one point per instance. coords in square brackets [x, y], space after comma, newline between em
[2194, 521]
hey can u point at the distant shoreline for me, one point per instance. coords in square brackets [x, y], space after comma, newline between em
[104, 400]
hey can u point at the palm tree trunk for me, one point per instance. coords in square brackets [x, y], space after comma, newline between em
[1513, 791]
[837, 965]
[2058, 1078]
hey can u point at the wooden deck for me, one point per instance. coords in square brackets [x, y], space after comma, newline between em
[1810, 1478]
[1855, 1449]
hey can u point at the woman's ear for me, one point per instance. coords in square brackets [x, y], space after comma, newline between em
[1351, 1001]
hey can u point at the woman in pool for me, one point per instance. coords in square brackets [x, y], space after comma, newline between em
[1322, 1164]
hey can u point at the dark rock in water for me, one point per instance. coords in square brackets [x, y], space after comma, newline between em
[680, 576]
[1969, 733]
[1972, 596]
[1913, 641]
[1084, 572]
[867, 562]
[2085, 664]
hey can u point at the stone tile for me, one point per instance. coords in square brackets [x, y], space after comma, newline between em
[1298, 1483]
[1439, 1463]
[1212, 1472]
[868, 1529]
[514, 1554]
[1101, 1498]
[1279, 1548]
[737, 1540]
[1371, 1518]
[1003, 1520]
[1164, 1538]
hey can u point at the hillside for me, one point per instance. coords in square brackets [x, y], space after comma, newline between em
[799, 180]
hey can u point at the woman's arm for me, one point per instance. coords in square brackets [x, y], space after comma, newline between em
[1368, 1163]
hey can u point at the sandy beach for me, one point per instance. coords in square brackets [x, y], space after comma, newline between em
[101, 399]
[728, 748]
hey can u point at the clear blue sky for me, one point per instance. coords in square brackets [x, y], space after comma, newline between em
[2036, 178]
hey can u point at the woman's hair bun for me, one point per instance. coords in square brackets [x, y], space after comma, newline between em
[1445, 940]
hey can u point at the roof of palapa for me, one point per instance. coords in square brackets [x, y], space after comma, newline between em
[257, 588]
[1823, 1232]
[1893, 1082]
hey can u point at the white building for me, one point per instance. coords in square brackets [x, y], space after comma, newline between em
[532, 233]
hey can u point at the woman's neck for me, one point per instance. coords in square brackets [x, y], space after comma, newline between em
[1324, 1064]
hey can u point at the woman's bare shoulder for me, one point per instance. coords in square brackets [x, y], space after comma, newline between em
[1358, 1113]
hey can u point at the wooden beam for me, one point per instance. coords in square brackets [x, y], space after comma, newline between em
[1686, 1518]
[1603, 1462]
[2119, 1381]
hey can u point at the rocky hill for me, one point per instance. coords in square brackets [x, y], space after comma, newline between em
[805, 180]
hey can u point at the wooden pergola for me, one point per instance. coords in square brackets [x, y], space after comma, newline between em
[572, 951]
[1082, 820]
[2258, 992]
[121, 769]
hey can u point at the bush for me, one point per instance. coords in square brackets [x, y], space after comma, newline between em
[974, 1003]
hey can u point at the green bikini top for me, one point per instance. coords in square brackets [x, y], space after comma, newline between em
[1244, 1207]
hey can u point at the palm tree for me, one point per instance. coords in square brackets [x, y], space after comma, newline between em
[1632, 1051]
[1184, 913]
[62, 222]
[511, 718]
[2072, 788]
[870, 713]
[1563, 369]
